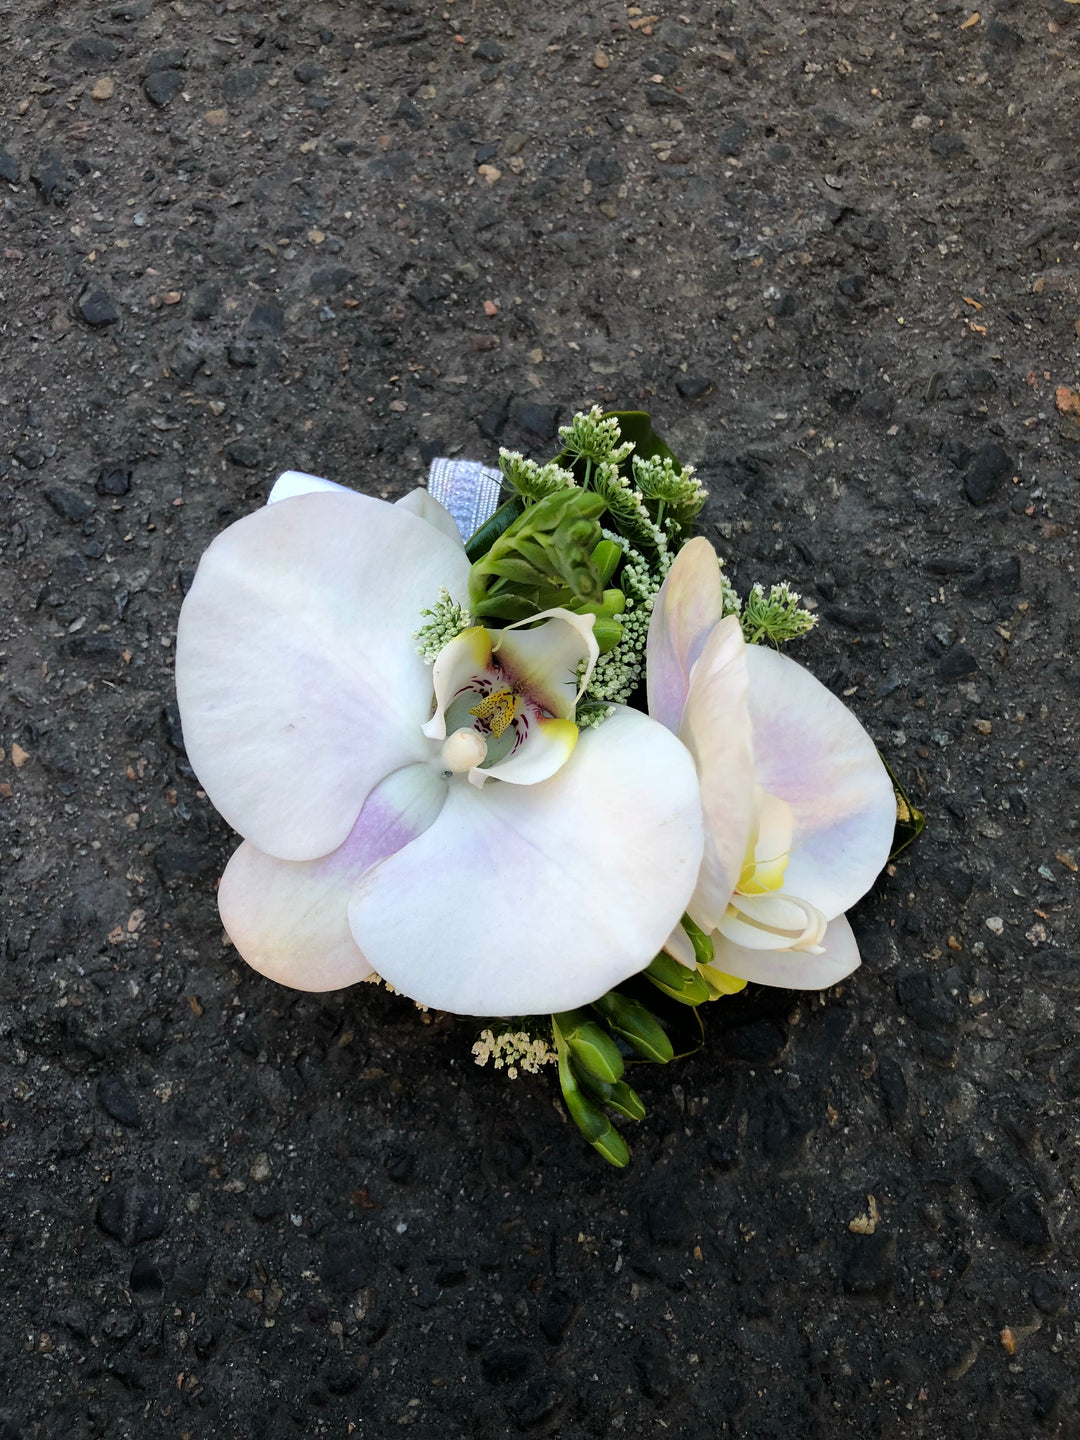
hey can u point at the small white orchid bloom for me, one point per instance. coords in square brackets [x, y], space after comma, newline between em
[356, 772]
[799, 807]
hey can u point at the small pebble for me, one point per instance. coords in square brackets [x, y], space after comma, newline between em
[995, 924]
[104, 89]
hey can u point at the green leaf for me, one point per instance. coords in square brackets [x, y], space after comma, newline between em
[910, 822]
[588, 1117]
[481, 541]
[637, 1025]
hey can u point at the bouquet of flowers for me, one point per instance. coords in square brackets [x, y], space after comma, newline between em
[551, 772]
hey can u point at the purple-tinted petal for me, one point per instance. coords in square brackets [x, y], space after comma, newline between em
[811, 751]
[523, 900]
[289, 919]
[296, 667]
[688, 607]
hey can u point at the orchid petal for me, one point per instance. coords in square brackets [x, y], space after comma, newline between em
[811, 751]
[523, 900]
[289, 919]
[689, 605]
[296, 670]
[793, 969]
[291, 483]
[456, 665]
[547, 749]
[716, 730]
[426, 507]
[543, 662]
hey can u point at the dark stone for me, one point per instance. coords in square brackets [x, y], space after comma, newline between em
[206, 301]
[1046, 1401]
[1047, 1295]
[491, 422]
[400, 1168]
[429, 293]
[267, 318]
[692, 387]
[851, 618]
[503, 1363]
[244, 453]
[184, 862]
[894, 1089]
[331, 279]
[868, 1269]
[757, 1042]
[97, 309]
[9, 168]
[146, 1281]
[113, 480]
[48, 175]
[68, 504]
[189, 1280]
[1000, 579]
[732, 139]
[989, 469]
[184, 364]
[93, 647]
[929, 1010]
[947, 146]
[118, 1101]
[957, 663]
[308, 71]
[1022, 1220]
[603, 169]
[875, 405]
[656, 1374]
[410, 112]
[267, 1204]
[243, 82]
[957, 881]
[784, 306]
[990, 1185]
[489, 50]
[661, 97]
[1003, 37]
[93, 49]
[537, 1402]
[30, 457]
[132, 1213]
[449, 1272]
[172, 59]
[556, 1313]
[539, 420]
[162, 87]
[348, 1262]
[242, 353]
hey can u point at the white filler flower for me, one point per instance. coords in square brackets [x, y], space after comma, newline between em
[355, 772]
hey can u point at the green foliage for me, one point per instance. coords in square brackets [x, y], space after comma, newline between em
[594, 437]
[637, 1025]
[775, 617]
[547, 550]
[676, 981]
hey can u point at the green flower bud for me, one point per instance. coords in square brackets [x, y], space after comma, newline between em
[676, 981]
[637, 1025]
[703, 946]
[619, 1096]
[592, 1048]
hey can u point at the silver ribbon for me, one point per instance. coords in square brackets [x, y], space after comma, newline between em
[467, 489]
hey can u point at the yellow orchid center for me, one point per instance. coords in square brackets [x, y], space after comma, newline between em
[496, 711]
[763, 915]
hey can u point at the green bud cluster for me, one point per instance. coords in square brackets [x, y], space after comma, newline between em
[595, 438]
[774, 617]
[532, 481]
[544, 559]
[447, 619]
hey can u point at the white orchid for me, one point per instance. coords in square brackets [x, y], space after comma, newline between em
[799, 808]
[356, 772]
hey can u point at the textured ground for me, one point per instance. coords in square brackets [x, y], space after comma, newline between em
[834, 249]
